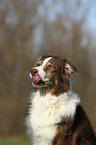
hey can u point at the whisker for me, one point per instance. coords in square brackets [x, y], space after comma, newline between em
[27, 75]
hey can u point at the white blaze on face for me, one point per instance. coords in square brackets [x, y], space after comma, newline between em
[40, 69]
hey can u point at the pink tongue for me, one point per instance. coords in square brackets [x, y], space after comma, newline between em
[36, 78]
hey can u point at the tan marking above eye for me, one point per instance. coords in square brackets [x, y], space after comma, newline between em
[49, 65]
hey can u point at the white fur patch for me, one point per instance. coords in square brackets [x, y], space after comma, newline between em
[41, 68]
[46, 111]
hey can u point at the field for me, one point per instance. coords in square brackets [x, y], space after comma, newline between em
[7, 142]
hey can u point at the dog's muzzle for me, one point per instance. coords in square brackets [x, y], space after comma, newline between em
[37, 80]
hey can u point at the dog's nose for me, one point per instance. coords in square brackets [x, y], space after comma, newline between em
[33, 71]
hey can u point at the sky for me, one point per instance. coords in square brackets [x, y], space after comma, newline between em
[76, 9]
[79, 6]
[51, 8]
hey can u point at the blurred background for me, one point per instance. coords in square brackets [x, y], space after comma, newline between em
[31, 28]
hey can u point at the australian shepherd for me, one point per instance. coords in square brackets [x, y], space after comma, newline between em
[55, 114]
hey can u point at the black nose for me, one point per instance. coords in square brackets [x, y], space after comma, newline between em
[33, 71]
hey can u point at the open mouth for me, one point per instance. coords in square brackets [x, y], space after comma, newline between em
[37, 80]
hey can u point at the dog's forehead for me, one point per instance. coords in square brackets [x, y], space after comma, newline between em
[52, 59]
[46, 61]
[56, 61]
[43, 60]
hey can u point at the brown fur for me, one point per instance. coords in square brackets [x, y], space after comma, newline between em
[75, 132]
[70, 131]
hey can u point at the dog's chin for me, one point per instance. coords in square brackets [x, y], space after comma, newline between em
[40, 84]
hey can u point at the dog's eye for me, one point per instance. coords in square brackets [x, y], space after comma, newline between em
[50, 66]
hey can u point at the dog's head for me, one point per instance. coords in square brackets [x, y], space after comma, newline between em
[53, 72]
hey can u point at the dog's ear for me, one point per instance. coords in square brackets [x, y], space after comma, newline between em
[69, 68]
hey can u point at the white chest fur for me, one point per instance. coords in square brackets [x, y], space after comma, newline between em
[46, 111]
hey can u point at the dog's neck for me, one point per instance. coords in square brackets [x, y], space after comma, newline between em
[60, 89]
[66, 102]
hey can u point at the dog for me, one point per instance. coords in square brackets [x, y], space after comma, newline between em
[55, 114]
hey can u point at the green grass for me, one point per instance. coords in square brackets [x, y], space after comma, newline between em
[7, 142]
